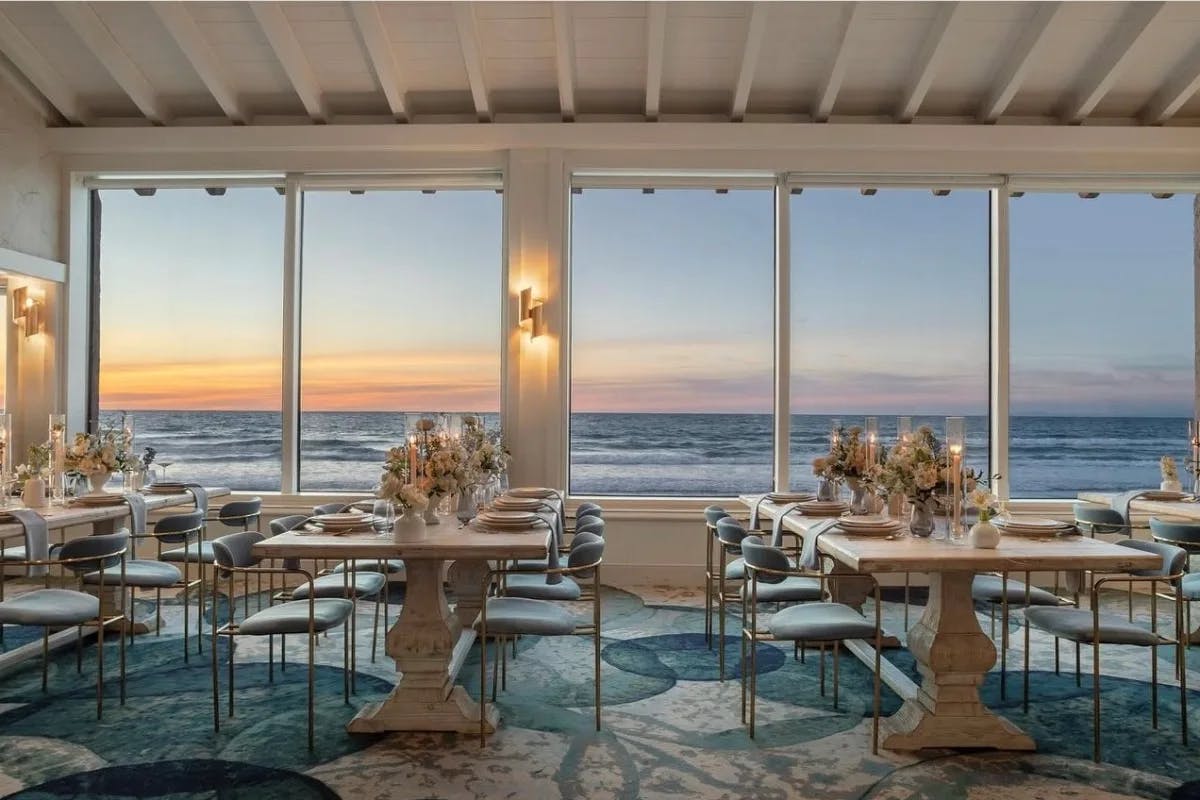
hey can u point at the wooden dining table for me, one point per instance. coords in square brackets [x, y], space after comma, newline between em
[428, 641]
[1178, 509]
[952, 652]
[98, 519]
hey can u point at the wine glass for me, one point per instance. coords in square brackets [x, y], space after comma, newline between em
[385, 515]
[164, 465]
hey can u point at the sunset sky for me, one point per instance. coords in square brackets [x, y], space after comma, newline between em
[671, 301]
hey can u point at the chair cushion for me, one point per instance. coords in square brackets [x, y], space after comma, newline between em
[1075, 624]
[535, 586]
[520, 615]
[50, 607]
[817, 622]
[370, 565]
[15, 552]
[141, 573]
[1191, 587]
[990, 588]
[362, 584]
[791, 589]
[293, 617]
[206, 554]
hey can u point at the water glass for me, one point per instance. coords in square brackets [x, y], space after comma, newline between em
[385, 515]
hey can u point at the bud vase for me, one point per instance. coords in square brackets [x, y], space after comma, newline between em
[858, 497]
[921, 521]
[1170, 486]
[33, 495]
[827, 490]
[984, 535]
[410, 527]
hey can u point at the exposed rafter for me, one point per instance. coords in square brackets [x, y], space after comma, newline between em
[756, 29]
[1020, 59]
[28, 92]
[928, 60]
[369, 22]
[291, 57]
[1179, 88]
[29, 61]
[564, 57]
[656, 44]
[99, 40]
[186, 33]
[468, 38]
[827, 95]
[1112, 56]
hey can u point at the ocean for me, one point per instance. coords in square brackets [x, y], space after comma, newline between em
[654, 454]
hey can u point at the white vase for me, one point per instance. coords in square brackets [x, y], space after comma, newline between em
[96, 481]
[984, 535]
[431, 517]
[33, 495]
[1171, 486]
[410, 527]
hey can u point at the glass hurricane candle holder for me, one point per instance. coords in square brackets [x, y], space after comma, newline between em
[955, 453]
[903, 429]
[58, 458]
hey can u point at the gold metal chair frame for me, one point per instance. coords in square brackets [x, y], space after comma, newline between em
[231, 629]
[751, 633]
[185, 584]
[501, 661]
[101, 622]
[1180, 652]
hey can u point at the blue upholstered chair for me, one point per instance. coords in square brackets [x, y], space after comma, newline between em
[729, 540]
[998, 589]
[1089, 626]
[820, 623]
[506, 616]
[141, 573]
[336, 507]
[1092, 519]
[1185, 534]
[711, 516]
[239, 514]
[64, 608]
[313, 615]
[188, 530]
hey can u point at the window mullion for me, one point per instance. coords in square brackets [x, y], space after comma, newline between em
[783, 417]
[293, 227]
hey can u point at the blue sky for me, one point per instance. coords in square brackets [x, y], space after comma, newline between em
[672, 307]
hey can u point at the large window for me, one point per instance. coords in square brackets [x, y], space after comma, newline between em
[889, 314]
[190, 321]
[671, 341]
[1102, 353]
[400, 313]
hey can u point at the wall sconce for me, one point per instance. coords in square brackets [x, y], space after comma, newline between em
[531, 311]
[27, 309]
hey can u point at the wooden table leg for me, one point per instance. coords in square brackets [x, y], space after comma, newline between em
[429, 645]
[953, 654]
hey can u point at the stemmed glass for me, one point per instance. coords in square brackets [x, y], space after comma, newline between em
[385, 516]
[164, 465]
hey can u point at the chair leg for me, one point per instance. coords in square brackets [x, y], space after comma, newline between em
[1183, 712]
[906, 597]
[45, 656]
[822, 669]
[121, 636]
[483, 685]
[200, 607]
[721, 617]
[375, 626]
[1025, 675]
[79, 650]
[216, 683]
[742, 669]
[270, 659]
[186, 587]
[158, 612]
[1154, 688]
[500, 641]
[231, 667]
[837, 649]
[311, 693]
[753, 678]
[1095, 700]
[346, 647]
[504, 663]
[1078, 678]
[354, 645]
[100, 668]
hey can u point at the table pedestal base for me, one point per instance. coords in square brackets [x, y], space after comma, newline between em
[953, 655]
[457, 712]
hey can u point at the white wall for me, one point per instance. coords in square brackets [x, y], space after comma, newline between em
[30, 183]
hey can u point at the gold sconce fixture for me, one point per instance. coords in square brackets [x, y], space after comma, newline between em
[531, 311]
[28, 309]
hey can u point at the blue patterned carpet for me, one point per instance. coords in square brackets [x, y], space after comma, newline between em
[671, 727]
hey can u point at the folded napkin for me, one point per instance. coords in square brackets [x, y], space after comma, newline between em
[1121, 503]
[809, 557]
[201, 495]
[137, 513]
[777, 528]
[754, 514]
[555, 522]
[37, 537]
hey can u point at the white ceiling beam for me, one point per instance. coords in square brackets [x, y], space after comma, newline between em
[30, 62]
[382, 59]
[468, 38]
[187, 36]
[756, 28]
[1112, 56]
[99, 40]
[1179, 88]
[928, 61]
[291, 57]
[656, 43]
[1020, 59]
[827, 95]
[28, 92]
[564, 57]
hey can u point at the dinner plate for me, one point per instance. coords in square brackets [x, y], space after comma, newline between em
[1161, 496]
[1032, 523]
[533, 491]
[99, 499]
[823, 508]
[343, 518]
[509, 517]
[869, 521]
[789, 497]
[518, 503]
[166, 488]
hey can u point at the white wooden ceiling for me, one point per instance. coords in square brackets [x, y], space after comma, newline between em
[168, 63]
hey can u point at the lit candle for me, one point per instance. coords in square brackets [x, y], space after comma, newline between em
[956, 445]
[872, 429]
[903, 429]
[58, 458]
[836, 423]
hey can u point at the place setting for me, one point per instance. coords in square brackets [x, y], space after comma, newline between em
[343, 522]
[1034, 527]
[869, 525]
[500, 521]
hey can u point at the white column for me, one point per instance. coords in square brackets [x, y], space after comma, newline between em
[535, 374]
[783, 339]
[999, 340]
[1196, 302]
[290, 408]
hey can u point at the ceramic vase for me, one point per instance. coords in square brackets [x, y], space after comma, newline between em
[33, 495]
[984, 535]
[410, 527]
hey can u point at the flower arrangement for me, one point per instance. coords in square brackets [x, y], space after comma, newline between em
[147, 458]
[986, 503]
[398, 483]
[445, 468]
[846, 459]
[1169, 471]
[108, 450]
[37, 464]
[486, 455]
[918, 470]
